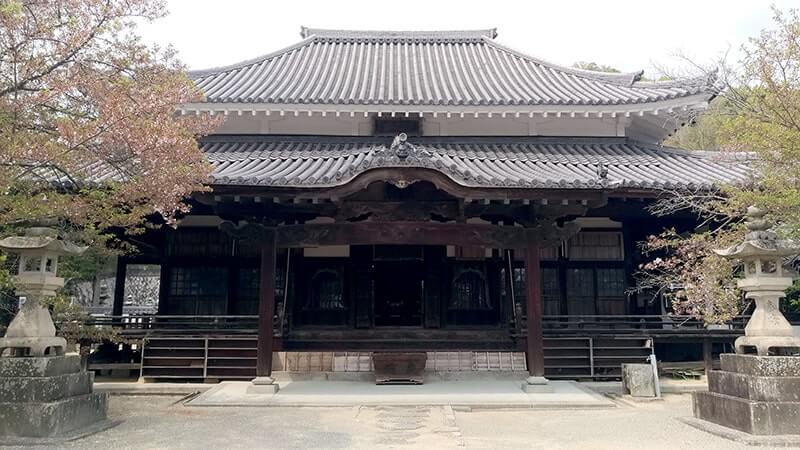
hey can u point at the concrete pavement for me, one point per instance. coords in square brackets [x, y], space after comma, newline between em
[483, 392]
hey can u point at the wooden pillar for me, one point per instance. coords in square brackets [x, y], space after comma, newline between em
[510, 301]
[119, 286]
[535, 310]
[266, 306]
[708, 360]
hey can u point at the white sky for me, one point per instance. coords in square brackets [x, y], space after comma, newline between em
[628, 35]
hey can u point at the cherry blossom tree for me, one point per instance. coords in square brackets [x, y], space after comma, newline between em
[90, 137]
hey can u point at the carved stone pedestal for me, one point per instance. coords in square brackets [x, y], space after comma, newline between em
[47, 397]
[754, 394]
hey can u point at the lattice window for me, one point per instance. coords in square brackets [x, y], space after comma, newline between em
[198, 290]
[327, 291]
[469, 291]
[551, 291]
[198, 281]
[610, 282]
[596, 246]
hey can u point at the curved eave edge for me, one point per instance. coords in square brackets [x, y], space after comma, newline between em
[694, 101]
[610, 185]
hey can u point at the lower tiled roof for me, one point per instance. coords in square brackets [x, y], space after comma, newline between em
[486, 162]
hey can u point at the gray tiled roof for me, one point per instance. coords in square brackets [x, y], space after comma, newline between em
[518, 162]
[423, 68]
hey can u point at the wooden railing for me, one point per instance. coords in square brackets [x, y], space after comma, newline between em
[668, 324]
[163, 324]
[664, 323]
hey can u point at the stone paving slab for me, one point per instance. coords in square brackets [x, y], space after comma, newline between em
[134, 388]
[491, 394]
[740, 436]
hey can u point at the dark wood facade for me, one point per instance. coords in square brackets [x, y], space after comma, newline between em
[352, 274]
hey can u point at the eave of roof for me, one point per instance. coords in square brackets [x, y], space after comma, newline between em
[488, 162]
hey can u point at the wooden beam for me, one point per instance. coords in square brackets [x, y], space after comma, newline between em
[535, 311]
[402, 233]
[410, 233]
[266, 305]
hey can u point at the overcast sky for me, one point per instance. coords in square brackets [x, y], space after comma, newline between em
[628, 35]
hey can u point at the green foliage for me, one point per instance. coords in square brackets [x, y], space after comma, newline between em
[757, 115]
[593, 66]
[704, 133]
[84, 267]
[74, 324]
[792, 301]
[7, 299]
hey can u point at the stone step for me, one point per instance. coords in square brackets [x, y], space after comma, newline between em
[44, 389]
[763, 366]
[751, 387]
[760, 418]
[54, 418]
[46, 366]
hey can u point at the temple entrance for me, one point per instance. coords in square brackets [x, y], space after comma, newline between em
[399, 289]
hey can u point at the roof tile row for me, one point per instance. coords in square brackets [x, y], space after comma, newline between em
[575, 163]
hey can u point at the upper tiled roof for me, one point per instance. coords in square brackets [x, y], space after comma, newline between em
[459, 68]
[519, 162]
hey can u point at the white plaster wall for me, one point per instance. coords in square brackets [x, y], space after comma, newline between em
[358, 125]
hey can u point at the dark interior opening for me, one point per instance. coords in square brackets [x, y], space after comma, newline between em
[398, 293]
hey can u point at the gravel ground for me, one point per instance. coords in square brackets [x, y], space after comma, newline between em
[165, 423]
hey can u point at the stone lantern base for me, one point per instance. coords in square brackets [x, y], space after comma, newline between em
[47, 397]
[759, 395]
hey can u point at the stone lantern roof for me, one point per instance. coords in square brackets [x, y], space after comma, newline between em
[760, 240]
[40, 238]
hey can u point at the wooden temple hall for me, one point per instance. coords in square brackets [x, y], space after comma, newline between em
[433, 193]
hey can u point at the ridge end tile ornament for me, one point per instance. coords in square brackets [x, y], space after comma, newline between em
[757, 389]
[45, 395]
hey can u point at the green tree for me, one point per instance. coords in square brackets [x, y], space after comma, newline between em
[757, 116]
[593, 66]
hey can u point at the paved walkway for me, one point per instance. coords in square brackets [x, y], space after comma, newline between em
[475, 393]
[163, 422]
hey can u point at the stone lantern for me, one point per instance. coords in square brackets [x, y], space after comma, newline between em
[757, 389]
[765, 281]
[32, 332]
[45, 395]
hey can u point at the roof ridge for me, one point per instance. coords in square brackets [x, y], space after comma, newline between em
[200, 73]
[700, 154]
[623, 78]
[399, 35]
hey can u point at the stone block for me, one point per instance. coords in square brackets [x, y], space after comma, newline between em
[638, 380]
[537, 385]
[760, 418]
[44, 389]
[47, 366]
[38, 420]
[763, 366]
[751, 387]
[263, 389]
